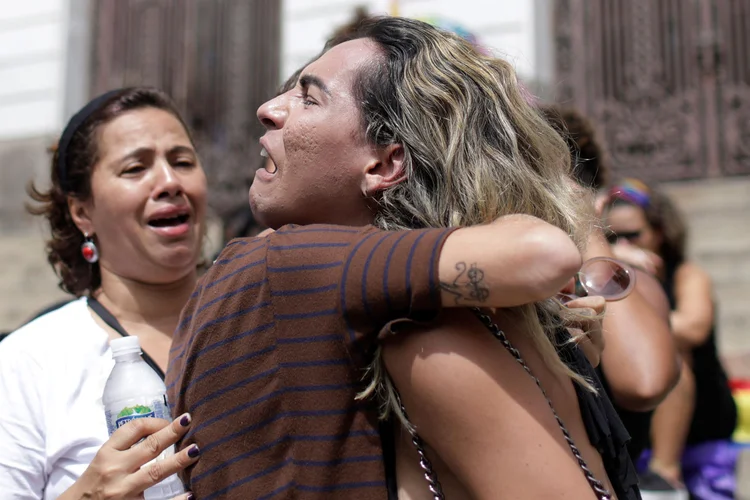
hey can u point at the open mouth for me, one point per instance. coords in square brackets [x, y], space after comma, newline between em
[268, 165]
[169, 221]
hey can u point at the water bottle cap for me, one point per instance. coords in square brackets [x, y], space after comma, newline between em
[125, 345]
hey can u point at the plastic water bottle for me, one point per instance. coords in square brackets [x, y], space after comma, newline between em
[134, 390]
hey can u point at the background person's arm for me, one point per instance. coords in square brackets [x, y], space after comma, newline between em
[640, 361]
[693, 316]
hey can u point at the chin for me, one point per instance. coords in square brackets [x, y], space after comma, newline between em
[262, 215]
[182, 258]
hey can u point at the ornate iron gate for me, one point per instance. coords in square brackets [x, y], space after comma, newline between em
[218, 59]
[668, 82]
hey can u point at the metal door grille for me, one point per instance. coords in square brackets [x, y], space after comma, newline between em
[218, 59]
[667, 81]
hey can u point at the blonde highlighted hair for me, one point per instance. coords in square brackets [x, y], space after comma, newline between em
[475, 149]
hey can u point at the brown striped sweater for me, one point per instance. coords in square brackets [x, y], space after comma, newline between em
[269, 353]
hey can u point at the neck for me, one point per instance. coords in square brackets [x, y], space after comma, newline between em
[136, 302]
[352, 218]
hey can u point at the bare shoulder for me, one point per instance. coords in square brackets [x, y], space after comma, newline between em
[691, 274]
[449, 352]
[463, 390]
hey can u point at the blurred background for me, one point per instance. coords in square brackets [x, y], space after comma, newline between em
[667, 82]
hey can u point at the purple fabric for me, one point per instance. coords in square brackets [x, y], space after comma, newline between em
[708, 469]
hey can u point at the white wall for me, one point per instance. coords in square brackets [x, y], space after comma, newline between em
[510, 28]
[32, 67]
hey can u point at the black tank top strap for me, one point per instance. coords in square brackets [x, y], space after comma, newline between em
[603, 425]
[670, 269]
[110, 320]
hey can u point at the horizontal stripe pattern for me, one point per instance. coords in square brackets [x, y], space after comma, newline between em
[264, 358]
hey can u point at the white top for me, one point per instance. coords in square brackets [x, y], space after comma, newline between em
[52, 376]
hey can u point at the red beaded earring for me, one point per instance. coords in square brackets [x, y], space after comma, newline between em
[89, 250]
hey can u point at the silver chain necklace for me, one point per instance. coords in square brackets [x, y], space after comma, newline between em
[429, 474]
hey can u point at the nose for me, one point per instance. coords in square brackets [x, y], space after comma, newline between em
[272, 114]
[168, 184]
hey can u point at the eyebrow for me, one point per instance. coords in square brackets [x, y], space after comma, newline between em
[307, 80]
[137, 153]
[181, 149]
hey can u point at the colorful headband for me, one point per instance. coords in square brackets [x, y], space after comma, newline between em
[632, 191]
[72, 128]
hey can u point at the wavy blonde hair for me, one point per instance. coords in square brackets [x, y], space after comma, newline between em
[475, 149]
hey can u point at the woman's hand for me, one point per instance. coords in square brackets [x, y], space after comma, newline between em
[116, 473]
[588, 333]
[637, 257]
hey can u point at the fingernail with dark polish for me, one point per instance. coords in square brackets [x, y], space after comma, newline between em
[185, 420]
[190, 496]
[194, 451]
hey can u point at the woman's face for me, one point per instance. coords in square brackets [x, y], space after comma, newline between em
[629, 223]
[148, 204]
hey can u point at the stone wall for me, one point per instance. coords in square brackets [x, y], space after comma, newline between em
[20, 161]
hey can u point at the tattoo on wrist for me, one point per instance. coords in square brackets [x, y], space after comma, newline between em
[468, 286]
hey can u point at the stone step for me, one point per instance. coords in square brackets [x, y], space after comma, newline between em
[709, 196]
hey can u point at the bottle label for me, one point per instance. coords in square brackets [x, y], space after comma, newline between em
[132, 412]
[122, 413]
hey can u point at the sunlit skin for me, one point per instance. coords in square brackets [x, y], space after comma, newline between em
[314, 137]
[147, 169]
[147, 216]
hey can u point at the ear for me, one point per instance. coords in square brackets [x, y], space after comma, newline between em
[80, 212]
[386, 170]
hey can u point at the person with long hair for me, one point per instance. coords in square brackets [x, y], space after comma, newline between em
[126, 209]
[691, 429]
[449, 191]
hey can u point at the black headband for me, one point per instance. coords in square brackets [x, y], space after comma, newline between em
[70, 130]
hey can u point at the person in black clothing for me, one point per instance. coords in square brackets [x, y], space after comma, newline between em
[639, 363]
[646, 223]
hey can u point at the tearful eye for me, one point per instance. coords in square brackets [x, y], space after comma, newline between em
[133, 170]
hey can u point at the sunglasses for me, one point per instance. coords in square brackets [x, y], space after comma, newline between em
[630, 236]
[602, 276]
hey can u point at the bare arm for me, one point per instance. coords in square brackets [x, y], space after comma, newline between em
[640, 360]
[694, 313]
[515, 260]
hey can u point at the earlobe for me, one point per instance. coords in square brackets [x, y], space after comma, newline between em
[388, 170]
[80, 213]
